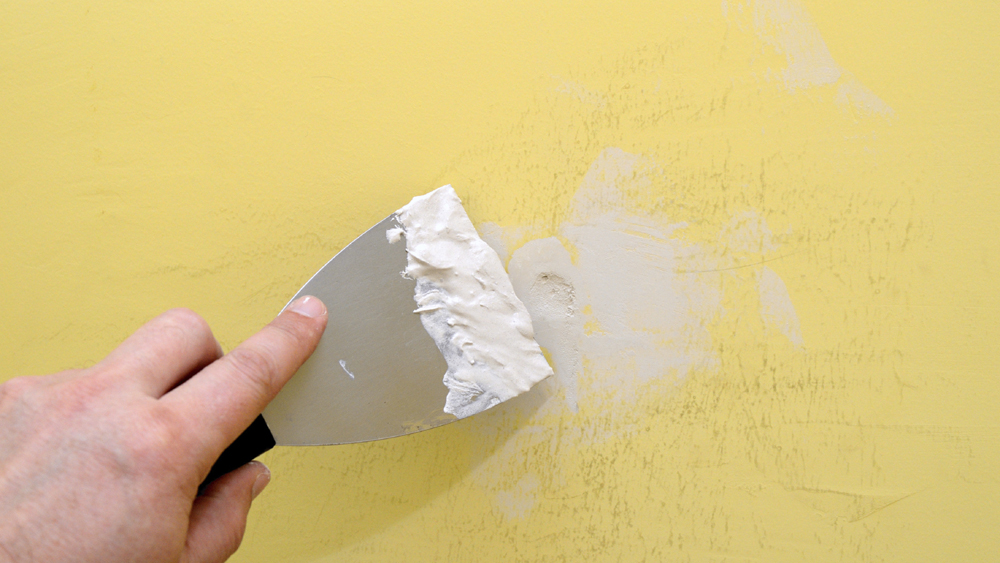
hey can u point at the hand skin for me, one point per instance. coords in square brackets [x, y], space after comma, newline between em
[103, 464]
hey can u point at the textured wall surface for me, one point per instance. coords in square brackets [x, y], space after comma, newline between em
[774, 221]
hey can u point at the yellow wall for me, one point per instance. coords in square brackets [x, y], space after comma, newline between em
[213, 155]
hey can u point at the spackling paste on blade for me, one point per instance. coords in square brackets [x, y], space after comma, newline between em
[343, 364]
[467, 305]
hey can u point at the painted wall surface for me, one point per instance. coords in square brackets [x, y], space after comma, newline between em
[777, 219]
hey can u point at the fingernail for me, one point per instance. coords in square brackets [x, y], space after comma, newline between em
[263, 478]
[308, 306]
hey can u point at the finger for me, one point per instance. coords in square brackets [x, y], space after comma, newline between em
[62, 376]
[225, 397]
[219, 515]
[163, 352]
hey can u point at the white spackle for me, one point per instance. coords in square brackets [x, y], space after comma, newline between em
[468, 307]
[543, 276]
[343, 364]
[393, 235]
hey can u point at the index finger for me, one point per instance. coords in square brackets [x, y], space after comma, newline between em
[223, 399]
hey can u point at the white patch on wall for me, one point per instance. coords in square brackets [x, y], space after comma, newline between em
[646, 320]
[637, 301]
[621, 295]
[786, 26]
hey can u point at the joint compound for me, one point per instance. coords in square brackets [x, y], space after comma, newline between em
[467, 305]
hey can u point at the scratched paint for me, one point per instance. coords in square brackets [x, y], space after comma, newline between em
[813, 184]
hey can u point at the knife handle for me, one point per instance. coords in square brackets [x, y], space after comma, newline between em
[255, 440]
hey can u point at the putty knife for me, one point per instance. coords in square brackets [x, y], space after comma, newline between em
[375, 374]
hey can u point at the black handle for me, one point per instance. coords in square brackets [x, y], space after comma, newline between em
[255, 440]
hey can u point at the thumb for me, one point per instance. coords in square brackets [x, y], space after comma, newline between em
[219, 514]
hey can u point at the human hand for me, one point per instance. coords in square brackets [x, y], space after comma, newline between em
[103, 464]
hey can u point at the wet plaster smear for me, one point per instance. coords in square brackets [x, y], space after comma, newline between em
[467, 305]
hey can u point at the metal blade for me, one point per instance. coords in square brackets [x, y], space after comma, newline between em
[376, 372]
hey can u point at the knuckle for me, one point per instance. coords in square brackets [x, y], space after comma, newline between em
[290, 333]
[296, 328]
[187, 322]
[17, 387]
[19, 390]
[294, 336]
[256, 365]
